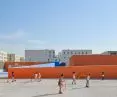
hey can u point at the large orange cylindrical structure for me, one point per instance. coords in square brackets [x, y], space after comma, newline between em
[81, 60]
[95, 71]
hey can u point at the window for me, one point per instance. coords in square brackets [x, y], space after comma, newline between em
[67, 52]
[86, 52]
[64, 52]
[82, 52]
[71, 52]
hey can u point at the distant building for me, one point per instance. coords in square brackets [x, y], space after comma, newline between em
[3, 56]
[22, 59]
[109, 53]
[40, 55]
[65, 55]
[11, 57]
[14, 58]
[17, 58]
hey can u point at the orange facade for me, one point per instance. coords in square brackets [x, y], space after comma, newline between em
[82, 71]
[6, 65]
[80, 60]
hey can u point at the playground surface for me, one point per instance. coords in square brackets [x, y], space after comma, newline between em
[49, 88]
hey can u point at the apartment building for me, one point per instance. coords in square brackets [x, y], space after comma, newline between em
[109, 53]
[22, 59]
[3, 56]
[14, 58]
[40, 55]
[11, 57]
[65, 55]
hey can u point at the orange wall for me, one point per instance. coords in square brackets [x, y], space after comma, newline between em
[110, 71]
[21, 64]
[78, 60]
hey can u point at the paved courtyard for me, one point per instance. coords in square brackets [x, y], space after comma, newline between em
[48, 88]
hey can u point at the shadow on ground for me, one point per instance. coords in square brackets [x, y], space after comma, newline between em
[46, 95]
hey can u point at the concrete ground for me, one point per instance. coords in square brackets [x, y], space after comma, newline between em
[48, 88]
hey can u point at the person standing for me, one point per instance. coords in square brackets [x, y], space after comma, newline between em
[36, 76]
[13, 77]
[74, 78]
[39, 77]
[61, 84]
[102, 75]
[87, 80]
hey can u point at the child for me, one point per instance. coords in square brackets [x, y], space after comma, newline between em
[61, 83]
[13, 77]
[36, 76]
[74, 78]
[87, 80]
[33, 76]
[39, 77]
[102, 75]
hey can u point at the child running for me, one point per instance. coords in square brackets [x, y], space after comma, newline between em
[74, 79]
[13, 77]
[33, 76]
[36, 76]
[102, 75]
[39, 77]
[61, 84]
[87, 81]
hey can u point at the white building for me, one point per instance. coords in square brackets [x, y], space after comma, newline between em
[40, 55]
[109, 53]
[17, 58]
[3, 56]
[65, 55]
[14, 58]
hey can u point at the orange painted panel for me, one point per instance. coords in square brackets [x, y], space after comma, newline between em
[95, 71]
[80, 60]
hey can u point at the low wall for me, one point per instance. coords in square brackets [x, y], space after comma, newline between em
[6, 65]
[95, 71]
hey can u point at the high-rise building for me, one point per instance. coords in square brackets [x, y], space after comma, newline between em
[40, 55]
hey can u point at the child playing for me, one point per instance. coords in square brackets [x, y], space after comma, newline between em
[102, 75]
[36, 76]
[61, 84]
[74, 78]
[87, 80]
[13, 77]
[39, 77]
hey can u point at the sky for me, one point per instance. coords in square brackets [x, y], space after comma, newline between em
[58, 24]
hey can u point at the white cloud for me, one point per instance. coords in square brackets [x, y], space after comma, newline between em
[19, 41]
[12, 36]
